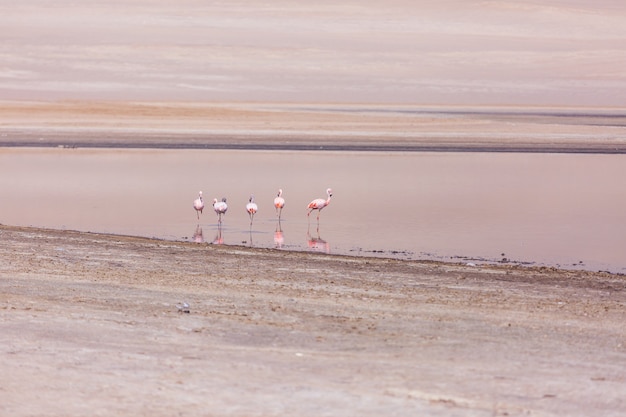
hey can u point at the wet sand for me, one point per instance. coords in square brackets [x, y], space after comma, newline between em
[306, 126]
[93, 320]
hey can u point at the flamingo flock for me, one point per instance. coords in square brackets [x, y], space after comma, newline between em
[221, 207]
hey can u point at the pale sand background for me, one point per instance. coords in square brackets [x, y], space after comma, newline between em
[282, 71]
[548, 53]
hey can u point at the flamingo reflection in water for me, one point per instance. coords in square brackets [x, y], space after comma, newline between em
[219, 239]
[317, 244]
[250, 243]
[279, 238]
[198, 236]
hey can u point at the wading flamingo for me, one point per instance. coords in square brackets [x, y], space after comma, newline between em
[220, 208]
[251, 208]
[279, 203]
[198, 204]
[319, 203]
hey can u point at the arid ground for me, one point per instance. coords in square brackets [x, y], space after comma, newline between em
[95, 324]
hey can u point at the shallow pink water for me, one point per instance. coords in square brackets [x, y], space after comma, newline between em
[543, 209]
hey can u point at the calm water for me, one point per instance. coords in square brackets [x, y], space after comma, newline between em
[541, 209]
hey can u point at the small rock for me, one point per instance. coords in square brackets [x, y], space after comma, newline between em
[183, 308]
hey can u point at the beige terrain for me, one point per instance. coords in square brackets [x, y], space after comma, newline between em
[491, 75]
[311, 126]
[95, 324]
[451, 52]
[91, 325]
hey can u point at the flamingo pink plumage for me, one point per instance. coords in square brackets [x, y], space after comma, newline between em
[198, 204]
[220, 208]
[319, 203]
[251, 208]
[279, 203]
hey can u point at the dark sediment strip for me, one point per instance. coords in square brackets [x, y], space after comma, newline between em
[173, 141]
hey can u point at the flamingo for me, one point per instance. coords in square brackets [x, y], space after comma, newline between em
[198, 204]
[279, 203]
[220, 208]
[319, 204]
[251, 208]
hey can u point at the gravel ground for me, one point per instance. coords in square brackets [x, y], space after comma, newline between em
[95, 325]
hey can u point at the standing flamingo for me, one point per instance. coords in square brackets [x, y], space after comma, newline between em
[251, 208]
[320, 203]
[198, 204]
[220, 208]
[279, 203]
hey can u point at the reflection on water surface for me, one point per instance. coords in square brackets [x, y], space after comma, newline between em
[543, 209]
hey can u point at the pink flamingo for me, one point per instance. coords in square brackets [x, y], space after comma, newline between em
[220, 208]
[198, 204]
[279, 203]
[319, 204]
[251, 208]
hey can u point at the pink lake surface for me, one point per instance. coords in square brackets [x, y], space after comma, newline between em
[560, 210]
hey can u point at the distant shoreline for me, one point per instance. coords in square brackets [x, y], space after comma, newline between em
[252, 143]
[311, 127]
[330, 148]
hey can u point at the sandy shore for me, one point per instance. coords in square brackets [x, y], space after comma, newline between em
[311, 126]
[89, 324]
